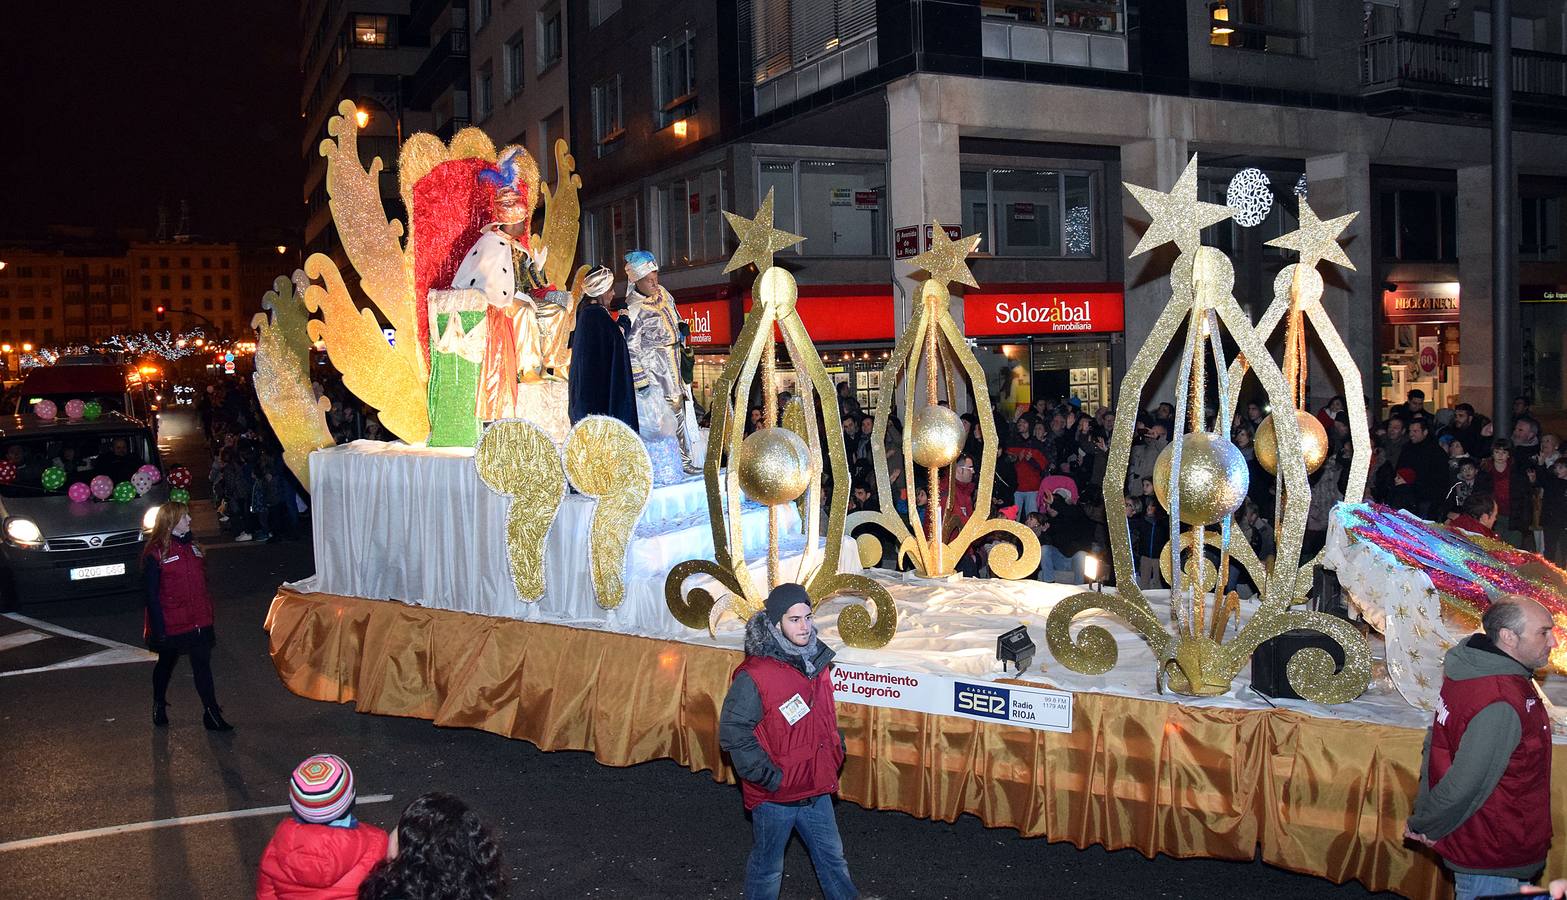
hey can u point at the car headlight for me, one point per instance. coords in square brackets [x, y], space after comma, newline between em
[23, 531]
[150, 517]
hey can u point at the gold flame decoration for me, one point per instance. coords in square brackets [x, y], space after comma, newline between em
[282, 378]
[1199, 657]
[776, 293]
[933, 439]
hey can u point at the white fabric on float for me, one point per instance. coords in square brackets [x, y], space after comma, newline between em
[415, 524]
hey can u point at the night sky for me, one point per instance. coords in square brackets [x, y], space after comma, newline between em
[110, 108]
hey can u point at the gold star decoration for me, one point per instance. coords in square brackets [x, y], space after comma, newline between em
[1423, 680]
[759, 240]
[1316, 240]
[1178, 215]
[946, 260]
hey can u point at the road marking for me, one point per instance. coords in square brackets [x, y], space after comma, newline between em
[113, 654]
[69, 836]
[21, 639]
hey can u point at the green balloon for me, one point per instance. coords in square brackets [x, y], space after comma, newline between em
[124, 492]
[93, 410]
[179, 495]
[53, 478]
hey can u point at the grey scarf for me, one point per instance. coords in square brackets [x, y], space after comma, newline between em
[806, 655]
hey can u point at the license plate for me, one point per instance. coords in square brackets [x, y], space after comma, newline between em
[86, 572]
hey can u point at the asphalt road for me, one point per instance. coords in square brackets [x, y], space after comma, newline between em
[79, 752]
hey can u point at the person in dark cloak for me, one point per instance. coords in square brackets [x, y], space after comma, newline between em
[601, 382]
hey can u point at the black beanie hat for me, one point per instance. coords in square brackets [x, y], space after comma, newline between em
[783, 598]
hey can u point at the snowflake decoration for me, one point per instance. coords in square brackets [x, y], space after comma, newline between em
[1302, 188]
[1079, 236]
[1250, 197]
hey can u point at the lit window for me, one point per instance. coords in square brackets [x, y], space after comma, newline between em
[370, 31]
[1030, 212]
[1273, 26]
[690, 214]
[674, 77]
[839, 207]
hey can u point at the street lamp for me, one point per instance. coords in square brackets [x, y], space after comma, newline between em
[281, 249]
[27, 348]
[362, 116]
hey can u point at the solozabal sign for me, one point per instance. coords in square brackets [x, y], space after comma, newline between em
[1045, 309]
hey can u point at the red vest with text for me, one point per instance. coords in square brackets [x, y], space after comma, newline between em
[1513, 827]
[182, 589]
[808, 751]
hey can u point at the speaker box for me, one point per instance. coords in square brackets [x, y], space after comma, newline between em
[1326, 595]
[1268, 661]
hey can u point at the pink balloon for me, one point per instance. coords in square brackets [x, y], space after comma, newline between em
[102, 486]
[74, 408]
[78, 492]
[45, 410]
[151, 471]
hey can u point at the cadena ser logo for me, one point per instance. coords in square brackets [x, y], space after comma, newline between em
[980, 700]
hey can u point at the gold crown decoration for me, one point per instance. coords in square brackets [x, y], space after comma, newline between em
[1201, 480]
[1297, 299]
[776, 465]
[931, 351]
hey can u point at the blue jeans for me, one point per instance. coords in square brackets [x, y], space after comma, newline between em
[1052, 561]
[771, 825]
[1026, 502]
[1468, 887]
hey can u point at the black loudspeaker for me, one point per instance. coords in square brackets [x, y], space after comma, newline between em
[1269, 660]
[1326, 595]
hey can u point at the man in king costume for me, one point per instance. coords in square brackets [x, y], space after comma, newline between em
[500, 277]
[656, 344]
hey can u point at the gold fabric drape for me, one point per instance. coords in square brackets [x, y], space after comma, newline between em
[1323, 796]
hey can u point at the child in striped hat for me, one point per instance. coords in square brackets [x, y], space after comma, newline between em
[322, 851]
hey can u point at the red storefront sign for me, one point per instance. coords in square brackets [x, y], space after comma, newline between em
[844, 312]
[1423, 303]
[709, 321]
[1044, 309]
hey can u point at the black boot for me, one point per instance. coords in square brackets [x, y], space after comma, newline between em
[212, 718]
[160, 714]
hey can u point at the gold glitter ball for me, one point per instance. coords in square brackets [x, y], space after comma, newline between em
[1213, 478]
[937, 437]
[1313, 442]
[774, 466]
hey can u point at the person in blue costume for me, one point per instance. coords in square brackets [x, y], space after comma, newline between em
[600, 364]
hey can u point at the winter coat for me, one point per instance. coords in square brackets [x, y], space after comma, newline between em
[175, 591]
[778, 761]
[318, 862]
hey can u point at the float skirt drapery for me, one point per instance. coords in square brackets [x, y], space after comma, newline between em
[1322, 796]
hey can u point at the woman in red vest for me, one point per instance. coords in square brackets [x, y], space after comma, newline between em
[780, 729]
[179, 613]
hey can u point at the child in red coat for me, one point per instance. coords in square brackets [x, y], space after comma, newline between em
[322, 852]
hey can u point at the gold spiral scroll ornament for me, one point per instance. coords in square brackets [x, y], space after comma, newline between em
[932, 352]
[767, 475]
[607, 461]
[517, 459]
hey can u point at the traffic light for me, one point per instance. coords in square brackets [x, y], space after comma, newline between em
[160, 312]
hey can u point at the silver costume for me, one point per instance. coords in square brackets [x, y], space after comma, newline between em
[655, 346]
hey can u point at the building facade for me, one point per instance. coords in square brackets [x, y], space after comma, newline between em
[519, 74]
[871, 119]
[403, 63]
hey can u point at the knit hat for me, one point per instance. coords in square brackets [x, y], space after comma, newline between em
[783, 598]
[639, 263]
[322, 789]
[1407, 474]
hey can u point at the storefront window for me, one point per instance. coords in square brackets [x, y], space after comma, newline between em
[691, 219]
[614, 230]
[1540, 238]
[838, 206]
[1026, 212]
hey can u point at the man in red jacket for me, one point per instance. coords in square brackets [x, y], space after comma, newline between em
[780, 729]
[1485, 783]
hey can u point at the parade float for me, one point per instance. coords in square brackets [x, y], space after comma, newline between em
[498, 567]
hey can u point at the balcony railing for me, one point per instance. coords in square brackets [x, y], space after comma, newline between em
[1404, 60]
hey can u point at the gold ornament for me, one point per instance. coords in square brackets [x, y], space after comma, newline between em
[947, 260]
[759, 240]
[1313, 442]
[1194, 656]
[606, 460]
[282, 378]
[775, 291]
[1214, 478]
[517, 459]
[938, 436]
[1178, 216]
[1316, 240]
[774, 466]
[933, 338]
